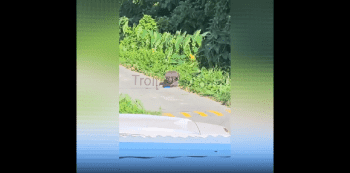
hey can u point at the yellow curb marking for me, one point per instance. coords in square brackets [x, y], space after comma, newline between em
[201, 113]
[168, 114]
[217, 113]
[228, 110]
[185, 114]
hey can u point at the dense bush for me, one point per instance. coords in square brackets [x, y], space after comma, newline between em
[124, 29]
[148, 23]
[163, 24]
[212, 83]
[189, 16]
[177, 48]
[216, 47]
[146, 60]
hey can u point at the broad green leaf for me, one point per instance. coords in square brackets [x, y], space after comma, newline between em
[175, 55]
[216, 48]
[186, 42]
[144, 33]
[204, 34]
[195, 50]
[225, 55]
[125, 27]
[178, 42]
[196, 34]
[138, 31]
[182, 56]
[198, 39]
[184, 34]
[178, 33]
[215, 35]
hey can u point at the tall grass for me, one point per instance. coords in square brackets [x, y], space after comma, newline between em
[128, 106]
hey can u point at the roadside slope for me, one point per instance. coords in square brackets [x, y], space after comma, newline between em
[173, 101]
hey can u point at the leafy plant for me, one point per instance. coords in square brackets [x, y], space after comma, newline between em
[216, 46]
[212, 82]
[124, 29]
[146, 60]
[177, 59]
[163, 24]
[148, 23]
[180, 43]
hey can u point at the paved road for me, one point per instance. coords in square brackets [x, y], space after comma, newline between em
[174, 102]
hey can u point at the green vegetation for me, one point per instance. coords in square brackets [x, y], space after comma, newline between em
[154, 53]
[128, 106]
[172, 16]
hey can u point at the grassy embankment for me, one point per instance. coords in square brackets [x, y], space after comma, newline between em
[152, 53]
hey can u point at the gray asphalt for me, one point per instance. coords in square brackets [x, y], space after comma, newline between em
[173, 101]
